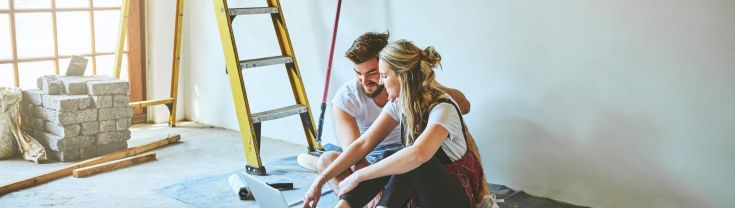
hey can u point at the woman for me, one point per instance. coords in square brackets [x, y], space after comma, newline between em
[436, 169]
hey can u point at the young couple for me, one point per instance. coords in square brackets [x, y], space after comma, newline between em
[404, 139]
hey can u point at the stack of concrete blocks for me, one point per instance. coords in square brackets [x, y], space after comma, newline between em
[77, 117]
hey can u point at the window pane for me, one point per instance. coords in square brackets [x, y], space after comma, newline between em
[34, 35]
[74, 33]
[32, 4]
[6, 75]
[29, 71]
[105, 66]
[72, 3]
[6, 52]
[107, 3]
[106, 29]
[4, 4]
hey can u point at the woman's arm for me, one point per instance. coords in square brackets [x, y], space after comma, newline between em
[408, 158]
[351, 155]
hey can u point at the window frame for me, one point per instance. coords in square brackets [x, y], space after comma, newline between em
[15, 60]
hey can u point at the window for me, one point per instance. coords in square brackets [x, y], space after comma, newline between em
[38, 37]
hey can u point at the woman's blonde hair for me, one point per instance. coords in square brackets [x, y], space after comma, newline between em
[415, 68]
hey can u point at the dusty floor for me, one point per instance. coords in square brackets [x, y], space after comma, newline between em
[204, 151]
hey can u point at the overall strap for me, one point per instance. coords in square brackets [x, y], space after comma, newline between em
[440, 154]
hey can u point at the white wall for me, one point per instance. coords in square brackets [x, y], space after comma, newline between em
[600, 103]
[160, 43]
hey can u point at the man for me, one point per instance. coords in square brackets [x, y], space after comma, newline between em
[358, 102]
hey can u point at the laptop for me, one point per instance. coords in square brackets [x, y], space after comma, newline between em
[265, 195]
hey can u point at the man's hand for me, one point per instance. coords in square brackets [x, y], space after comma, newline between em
[457, 96]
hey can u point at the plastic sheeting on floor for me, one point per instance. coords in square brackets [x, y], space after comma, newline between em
[215, 191]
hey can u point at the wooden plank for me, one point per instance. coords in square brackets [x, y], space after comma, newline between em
[113, 165]
[55, 174]
[143, 104]
[136, 56]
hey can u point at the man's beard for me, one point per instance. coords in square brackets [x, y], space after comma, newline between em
[377, 92]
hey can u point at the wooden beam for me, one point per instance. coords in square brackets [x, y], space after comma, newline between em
[137, 57]
[113, 165]
[66, 171]
[143, 104]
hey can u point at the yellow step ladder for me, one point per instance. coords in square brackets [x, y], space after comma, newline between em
[250, 123]
[171, 101]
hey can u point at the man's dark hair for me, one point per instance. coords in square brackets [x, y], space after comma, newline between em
[367, 46]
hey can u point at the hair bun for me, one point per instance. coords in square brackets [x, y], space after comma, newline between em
[431, 56]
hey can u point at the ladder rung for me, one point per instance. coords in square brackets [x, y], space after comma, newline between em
[253, 10]
[252, 63]
[143, 104]
[278, 113]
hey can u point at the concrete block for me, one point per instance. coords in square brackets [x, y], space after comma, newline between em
[102, 77]
[58, 143]
[52, 141]
[111, 147]
[49, 84]
[122, 124]
[73, 85]
[49, 115]
[39, 111]
[113, 137]
[66, 156]
[103, 101]
[108, 126]
[88, 152]
[73, 117]
[36, 123]
[34, 96]
[70, 130]
[92, 127]
[84, 103]
[108, 87]
[24, 109]
[120, 100]
[115, 113]
[66, 103]
[77, 66]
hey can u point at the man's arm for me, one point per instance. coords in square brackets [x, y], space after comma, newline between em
[346, 127]
[457, 96]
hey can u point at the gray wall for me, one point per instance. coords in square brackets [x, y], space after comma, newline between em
[600, 103]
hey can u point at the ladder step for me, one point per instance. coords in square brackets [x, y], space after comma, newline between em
[278, 113]
[252, 63]
[252, 10]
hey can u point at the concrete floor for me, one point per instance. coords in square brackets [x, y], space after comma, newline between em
[204, 151]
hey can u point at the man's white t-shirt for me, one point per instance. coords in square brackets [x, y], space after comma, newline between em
[445, 115]
[353, 100]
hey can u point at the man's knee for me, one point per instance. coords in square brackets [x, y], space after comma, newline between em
[326, 159]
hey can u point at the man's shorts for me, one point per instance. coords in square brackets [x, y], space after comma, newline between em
[379, 153]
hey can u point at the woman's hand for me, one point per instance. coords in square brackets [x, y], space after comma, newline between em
[350, 182]
[314, 192]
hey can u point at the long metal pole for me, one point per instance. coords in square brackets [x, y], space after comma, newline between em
[329, 72]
